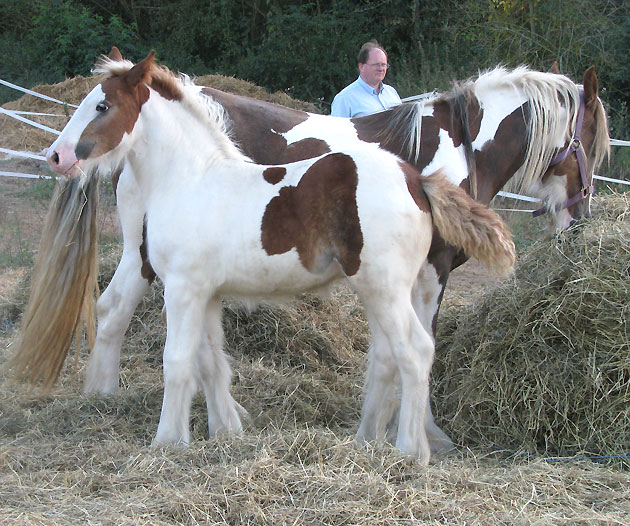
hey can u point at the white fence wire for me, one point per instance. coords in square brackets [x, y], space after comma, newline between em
[18, 116]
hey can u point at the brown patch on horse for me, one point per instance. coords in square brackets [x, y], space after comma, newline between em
[319, 217]
[110, 127]
[275, 174]
[500, 158]
[305, 149]
[259, 137]
[167, 87]
[460, 117]
[414, 184]
[125, 93]
[146, 270]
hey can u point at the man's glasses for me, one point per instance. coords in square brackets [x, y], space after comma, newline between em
[380, 65]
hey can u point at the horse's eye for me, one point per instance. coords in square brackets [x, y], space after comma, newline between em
[102, 106]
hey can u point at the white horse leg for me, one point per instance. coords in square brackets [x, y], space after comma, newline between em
[185, 310]
[411, 349]
[121, 297]
[216, 376]
[114, 310]
[426, 299]
[381, 381]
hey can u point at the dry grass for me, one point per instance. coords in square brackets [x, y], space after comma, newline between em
[70, 459]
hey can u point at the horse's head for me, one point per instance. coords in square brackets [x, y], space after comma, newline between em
[100, 130]
[567, 185]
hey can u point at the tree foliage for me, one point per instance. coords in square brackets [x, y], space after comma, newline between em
[309, 48]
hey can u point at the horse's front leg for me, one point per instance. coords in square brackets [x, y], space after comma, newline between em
[426, 299]
[185, 311]
[118, 302]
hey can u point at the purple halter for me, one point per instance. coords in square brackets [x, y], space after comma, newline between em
[574, 146]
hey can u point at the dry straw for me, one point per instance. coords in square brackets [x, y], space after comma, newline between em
[542, 362]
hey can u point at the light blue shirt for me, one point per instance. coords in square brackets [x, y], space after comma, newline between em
[359, 99]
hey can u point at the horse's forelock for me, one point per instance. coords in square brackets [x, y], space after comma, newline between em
[111, 68]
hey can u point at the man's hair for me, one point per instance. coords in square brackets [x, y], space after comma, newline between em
[364, 52]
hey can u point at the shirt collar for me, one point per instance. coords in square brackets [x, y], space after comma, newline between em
[369, 88]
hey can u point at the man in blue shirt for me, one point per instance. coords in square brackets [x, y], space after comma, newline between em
[368, 94]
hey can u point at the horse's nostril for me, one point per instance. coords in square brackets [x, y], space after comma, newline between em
[55, 158]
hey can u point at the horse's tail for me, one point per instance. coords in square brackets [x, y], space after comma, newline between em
[63, 283]
[469, 225]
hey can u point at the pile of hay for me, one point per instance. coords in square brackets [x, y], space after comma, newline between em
[542, 362]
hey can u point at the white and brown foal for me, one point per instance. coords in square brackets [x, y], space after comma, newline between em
[218, 225]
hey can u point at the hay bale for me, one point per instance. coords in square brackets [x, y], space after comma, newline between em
[542, 362]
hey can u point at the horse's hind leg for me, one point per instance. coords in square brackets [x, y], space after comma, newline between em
[381, 382]
[121, 297]
[412, 351]
[215, 376]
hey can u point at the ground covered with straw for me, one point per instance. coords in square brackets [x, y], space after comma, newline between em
[529, 375]
[531, 389]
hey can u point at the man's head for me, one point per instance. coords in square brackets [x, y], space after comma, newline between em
[372, 61]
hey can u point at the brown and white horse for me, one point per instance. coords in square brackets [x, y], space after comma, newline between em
[504, 126]
[218, 225]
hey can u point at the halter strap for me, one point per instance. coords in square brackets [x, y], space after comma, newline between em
[574, 146]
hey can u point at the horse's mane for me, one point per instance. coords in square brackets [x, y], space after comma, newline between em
[180, 87]
[547, 94]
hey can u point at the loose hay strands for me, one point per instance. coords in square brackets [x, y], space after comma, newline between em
[542, 362]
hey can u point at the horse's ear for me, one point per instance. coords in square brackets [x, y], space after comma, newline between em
[115, 54]
[140, 72]
[591, 85]
[555, 68]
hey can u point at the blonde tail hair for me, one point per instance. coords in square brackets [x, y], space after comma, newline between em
[63, 284]
[469, 225]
